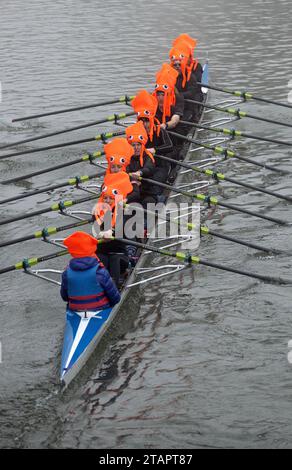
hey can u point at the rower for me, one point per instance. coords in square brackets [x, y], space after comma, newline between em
[118, 153]
[86, 284]
[114, 254]
[170, 108]
[190, 72]
[170, 101]
[142, 163]
[145, 106]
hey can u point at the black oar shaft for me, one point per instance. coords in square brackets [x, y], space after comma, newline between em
[226, 152]
[260, 277]
[254, 246]
[220, 177]
[214, 201]
[115, 117]
[252, 213]
[235, 133]
[45, 232]
[259, 189]
[59, 206]
[122, 99]
[240, 114]
[48, 147]
[206, 231]
[71, 182]
[246, 95]
[103, 137]
[196, 260]
[86, 158]
[25, 264]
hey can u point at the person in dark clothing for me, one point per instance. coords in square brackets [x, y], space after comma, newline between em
[142, 163]
[159, 142]
[86, 284]
[170, 104]
[145, 105]
[113, 253]
[190, 73]
[118, 153]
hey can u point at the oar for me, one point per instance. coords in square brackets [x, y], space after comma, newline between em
[240, 114]
[113, 117]
[103, 137]
[191, 259]
[187, 258]
[206, 231]
[217, 176]
[235, 133]
[210, 200]
[123, 99]
[245, 95]
[28, 263]
[218, 150]
[71, 182]
[89, 157]
[58, 206]
[46, 232]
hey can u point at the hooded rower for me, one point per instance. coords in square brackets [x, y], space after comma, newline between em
[142, 163]
[118, 154]
[190, 72]
[113, 253]
[86, 284]
[145, 106]
[170, 107]
[170, 102]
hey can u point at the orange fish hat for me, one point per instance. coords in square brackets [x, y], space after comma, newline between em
[186, 40]
[181, 53]
[165, 82]
[145, 105]
[81, 245]
[118, 152]
[137, 133]
[117, 186]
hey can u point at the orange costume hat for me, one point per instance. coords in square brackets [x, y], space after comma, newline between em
[165, 82]
[145, 105]
[118, 152]
[81, 244]
[137, 133]
[117, 186]
[181, 52]
[182, 43]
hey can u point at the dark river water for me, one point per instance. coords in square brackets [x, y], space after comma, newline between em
[196, 360]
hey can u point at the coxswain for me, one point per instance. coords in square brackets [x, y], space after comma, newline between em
[190, 73]
[113, 253]
[86, 284]
[118, 154]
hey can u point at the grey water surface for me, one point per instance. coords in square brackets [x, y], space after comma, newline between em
[199, 359]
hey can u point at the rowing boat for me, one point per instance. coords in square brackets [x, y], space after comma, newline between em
[84, 330]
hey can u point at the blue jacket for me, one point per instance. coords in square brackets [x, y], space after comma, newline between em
[103, 278]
